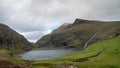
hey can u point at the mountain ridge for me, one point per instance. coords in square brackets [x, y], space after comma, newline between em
[76, 34]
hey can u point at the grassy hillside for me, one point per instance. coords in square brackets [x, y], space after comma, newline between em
[105, 54]
[109, 57]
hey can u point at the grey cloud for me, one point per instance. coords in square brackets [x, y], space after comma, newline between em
[103, 10]
[34, 18]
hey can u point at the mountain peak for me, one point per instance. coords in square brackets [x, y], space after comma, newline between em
[3, 25]
[80, 21]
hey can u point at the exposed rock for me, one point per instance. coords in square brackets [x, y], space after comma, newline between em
[80, 21]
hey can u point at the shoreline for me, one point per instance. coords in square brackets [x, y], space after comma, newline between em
[55, 49]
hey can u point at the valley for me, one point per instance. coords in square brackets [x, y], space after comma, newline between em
[82, 44]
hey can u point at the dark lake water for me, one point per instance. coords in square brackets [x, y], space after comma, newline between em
[46, 54]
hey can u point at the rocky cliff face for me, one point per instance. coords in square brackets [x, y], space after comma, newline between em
[77, 34]
[10, 39]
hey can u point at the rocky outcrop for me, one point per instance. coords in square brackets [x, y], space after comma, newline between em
[10, 39]
[77, 34]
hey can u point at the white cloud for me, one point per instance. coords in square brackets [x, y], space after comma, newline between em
[47, 32]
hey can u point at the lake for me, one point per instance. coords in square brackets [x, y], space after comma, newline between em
[46, 54]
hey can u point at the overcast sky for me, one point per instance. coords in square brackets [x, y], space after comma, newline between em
[34, 18]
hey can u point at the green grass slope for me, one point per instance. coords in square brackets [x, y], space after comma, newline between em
[104, 54]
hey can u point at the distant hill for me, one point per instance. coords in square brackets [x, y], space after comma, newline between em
[79, 33]
[11, 40]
